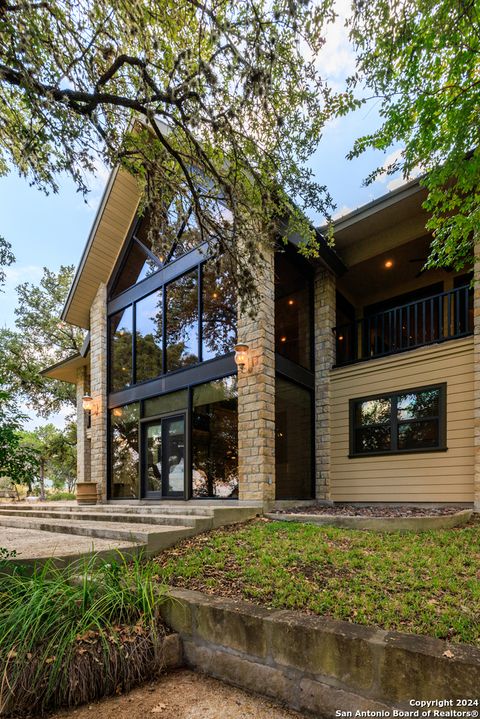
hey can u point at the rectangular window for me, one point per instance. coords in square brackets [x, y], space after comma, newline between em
[182, 322]
[406, 421]
[215, 439]
[293, 331]
[149, 337]
[219, 320]
[121, 328]
[124, 453]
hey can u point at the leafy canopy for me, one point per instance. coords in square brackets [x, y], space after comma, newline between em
[177, 91]
[421, 58]
[39, 340]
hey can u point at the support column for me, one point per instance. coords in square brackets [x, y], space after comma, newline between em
[476, 377]
[98, 388]
[324, 321]
[83, 441]
[256, 393]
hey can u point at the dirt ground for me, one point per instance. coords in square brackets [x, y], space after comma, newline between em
[182, 695]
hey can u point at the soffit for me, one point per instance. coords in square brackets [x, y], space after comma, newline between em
[107, 236]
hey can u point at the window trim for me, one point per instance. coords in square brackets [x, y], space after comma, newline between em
[393, 424]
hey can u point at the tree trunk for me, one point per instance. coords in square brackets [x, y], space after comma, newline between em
[42, 480]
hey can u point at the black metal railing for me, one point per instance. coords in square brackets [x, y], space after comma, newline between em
[445, 316]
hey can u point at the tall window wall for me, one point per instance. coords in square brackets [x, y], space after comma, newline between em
[151, 444]
[184, 321]
[294, 386]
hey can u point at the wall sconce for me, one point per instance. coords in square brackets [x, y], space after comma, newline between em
[242, 357]
[89, 404]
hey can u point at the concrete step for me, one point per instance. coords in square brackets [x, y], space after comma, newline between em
[200, 522]
[182, 508]
[154, 538]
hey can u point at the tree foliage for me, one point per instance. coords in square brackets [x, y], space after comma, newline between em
[7, 258]
[40, 339]
[213, 105]
[55, 450]
[17, 462]
[422, 60]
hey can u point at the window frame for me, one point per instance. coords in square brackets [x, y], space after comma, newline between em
[394, 423]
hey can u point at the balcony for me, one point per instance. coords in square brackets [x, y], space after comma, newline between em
[441, 317]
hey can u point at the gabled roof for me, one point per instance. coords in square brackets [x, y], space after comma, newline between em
[109, 230]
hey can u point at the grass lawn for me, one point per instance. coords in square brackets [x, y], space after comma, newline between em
[425, 583]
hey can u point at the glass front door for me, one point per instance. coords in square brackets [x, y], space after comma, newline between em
[164, 457]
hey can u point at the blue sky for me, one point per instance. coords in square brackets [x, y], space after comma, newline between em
[52, 230]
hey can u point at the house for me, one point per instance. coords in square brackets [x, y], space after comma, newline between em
[356, 382]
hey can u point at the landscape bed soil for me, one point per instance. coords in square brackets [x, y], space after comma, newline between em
[347, 510]
[182, 694]
[422, 583]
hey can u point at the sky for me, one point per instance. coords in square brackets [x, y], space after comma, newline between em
[48, 231]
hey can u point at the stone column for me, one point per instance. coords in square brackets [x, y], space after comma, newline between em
[256, 393]
[476, 377]
[83, 442]
[324, 321]
[98, 389]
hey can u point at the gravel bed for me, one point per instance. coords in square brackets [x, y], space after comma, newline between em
[347, 510]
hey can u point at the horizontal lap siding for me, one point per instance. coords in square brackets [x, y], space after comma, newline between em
[423, 477]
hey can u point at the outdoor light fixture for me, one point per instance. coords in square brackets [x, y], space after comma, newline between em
[242, 357]
[117, 412]
[89, 404]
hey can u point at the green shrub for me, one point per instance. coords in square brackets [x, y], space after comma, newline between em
[60, 496]
[75, 634]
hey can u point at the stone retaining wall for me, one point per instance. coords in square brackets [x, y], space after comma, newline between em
[315, 664]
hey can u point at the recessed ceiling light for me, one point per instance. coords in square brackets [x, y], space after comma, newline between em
[291, 302]
[388, 264]
[283, 339]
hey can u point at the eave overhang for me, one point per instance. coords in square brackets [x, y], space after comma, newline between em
[109, 230]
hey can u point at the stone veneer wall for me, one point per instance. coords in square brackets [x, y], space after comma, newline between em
[256, 394]
[324, 321]
[476, 378]
[83, 441]
[98, 389]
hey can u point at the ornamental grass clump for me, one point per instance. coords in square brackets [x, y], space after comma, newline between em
[74, 634]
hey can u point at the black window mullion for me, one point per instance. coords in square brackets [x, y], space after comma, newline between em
[200, 312]
[134, 343]
[164, 329]
[394, 422]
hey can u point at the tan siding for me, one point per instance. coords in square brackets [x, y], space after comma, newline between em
[424, 477]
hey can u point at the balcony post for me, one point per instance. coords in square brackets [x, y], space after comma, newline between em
[476, 375]
[324, 320]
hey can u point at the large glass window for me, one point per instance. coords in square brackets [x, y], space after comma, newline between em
[293, 441]
[165, 403]
[121, 363]
[124, 451]
[182, 321]
[149, 337]
[215, 439]
[409, 421]
[293, 333]
[219, 327]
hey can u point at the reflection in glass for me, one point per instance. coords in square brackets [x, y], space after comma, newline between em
[215, 439]
[413, 435]
[293, 338]
[182, 322]
[373, 411]
[171, 402]
[418, 404]
[174, 429]
[373, 439]
[219, 322]
[120, 332]
[154, 457]
[149, 337]
[293, 441]
[124, 455]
